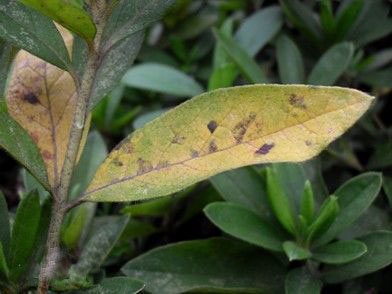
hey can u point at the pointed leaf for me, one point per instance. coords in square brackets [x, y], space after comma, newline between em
[307, 203]
[332, 64]
[117, 285]
[5, 226]
[162, 78]
[243, 224]
[300, 281]
[347, 18]
[247, 125]
[67, 14]
[248, 66]
[295, 251]
[41, 98]
[378, 256]
[24, 233]
[340, 252]
[280, 203]
[4, 271]
[27, 29]
[217, 264]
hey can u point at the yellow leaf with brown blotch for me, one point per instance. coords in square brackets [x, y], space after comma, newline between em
[222, 130]
[41, 98]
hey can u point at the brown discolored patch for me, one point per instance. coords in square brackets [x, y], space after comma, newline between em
[178, 139]
[144, 166]
[117, 162]
[35, 137]
[265, 149]
[297, 101]
[30, 98]
[162, 164]
[212, 125]
[308, 143]
[194, 154]
[212, 147]
[47, 155]
[240, 129]
[125, 145]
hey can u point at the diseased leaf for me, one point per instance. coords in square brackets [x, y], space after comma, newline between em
[122, 39]
[27, 29]
[247, 125]
[67, 14]
[41, 98]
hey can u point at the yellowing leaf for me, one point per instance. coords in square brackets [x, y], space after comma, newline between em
[222, 130]
[41, 98]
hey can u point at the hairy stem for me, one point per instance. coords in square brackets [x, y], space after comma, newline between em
[60, 191]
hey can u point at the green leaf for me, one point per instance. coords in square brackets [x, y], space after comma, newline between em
[296, 252]
[326, 218]
[195, 141]
[67, 14]
[122, 40]
[378, 256]
[97, 249]
[5, 226]
[332, 64]
[300, 281]
[259, 28]
[162, 78]
[354, 197]
[387, 186]
[243, 224]
[246, 187]
[4, 271]
[307, 203]
[327, 19]
[16, 141]
[24, 233]
[6, 58]
[247, 65]
[217, 264]
[30, 184]
[380, 78]
[290, 63]
[280, 203]
[340, 252]
[27, 29]
[347, 18]
[303, 18]
[117, 285]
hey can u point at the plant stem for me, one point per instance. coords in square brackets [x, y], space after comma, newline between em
[60, 191]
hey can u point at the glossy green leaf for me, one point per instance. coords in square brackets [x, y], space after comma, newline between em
[340, 252]
[122, 40]
[24, 233]
[67, 14]
[217, 264]
[378, 256]
[295, 251]
[326, 218]
[247, 65]
[27, 29]
[195, 141]
[162, 78]
[307, 203]
[117, 285]
[303, 18]
[301, 281]
[259, 28]
[280, 203]
[15, 140]
[354, 197]
[4, 271]
[290, 63]
[243, 224]
[5, 226]
[332, 64]
[244, 186]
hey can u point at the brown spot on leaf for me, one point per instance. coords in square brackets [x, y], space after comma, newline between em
[47, 155]
[297, 101]
[212, 147]
[240, 129]
[178, 139]
[35, 137]
[31, 98]
[162, 164]
[308, 143]
[117, 162]
[144, 166]
[263, 150]
[194, 154]
[212, 125]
